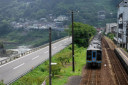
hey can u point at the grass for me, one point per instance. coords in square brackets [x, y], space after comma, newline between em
[39, 74]
[125, 50]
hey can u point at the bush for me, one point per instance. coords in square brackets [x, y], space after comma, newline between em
[55, 69]
[111, 36]
[1, 83]
[64, 58]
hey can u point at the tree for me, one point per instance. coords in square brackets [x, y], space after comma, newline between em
[4, 27]
[82, 33]
[2, 49]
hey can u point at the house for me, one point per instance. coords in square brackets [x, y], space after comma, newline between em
[111, 28]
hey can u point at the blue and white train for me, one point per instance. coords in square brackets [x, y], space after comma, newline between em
[94, 51]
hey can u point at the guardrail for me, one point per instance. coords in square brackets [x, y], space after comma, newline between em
[28, 52]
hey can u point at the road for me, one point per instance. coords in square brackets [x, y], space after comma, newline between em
[13, 70]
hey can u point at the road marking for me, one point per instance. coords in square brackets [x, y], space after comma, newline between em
[46, 52]
[19, 66]
[35, 57]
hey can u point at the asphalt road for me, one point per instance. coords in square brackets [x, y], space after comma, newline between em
[16, 68]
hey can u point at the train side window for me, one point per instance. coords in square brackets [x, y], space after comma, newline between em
[89, 52]
[89, 55]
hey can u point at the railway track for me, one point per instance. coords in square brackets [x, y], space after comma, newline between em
[120, 74]
[92, 77]
[111, 72]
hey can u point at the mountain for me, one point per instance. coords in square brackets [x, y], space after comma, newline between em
[36, 9]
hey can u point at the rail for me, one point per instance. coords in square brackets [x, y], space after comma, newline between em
[27, 52]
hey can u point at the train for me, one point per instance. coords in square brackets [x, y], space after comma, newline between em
[94, 51]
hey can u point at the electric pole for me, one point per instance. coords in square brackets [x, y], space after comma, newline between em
[50, 75]
[126, 35]
[73, 67]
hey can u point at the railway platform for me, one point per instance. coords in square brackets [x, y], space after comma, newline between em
[123, 56]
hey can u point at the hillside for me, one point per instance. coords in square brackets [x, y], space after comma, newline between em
[36, 9]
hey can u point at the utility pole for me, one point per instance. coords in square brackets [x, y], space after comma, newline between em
[126, 35]
[117, 39]
[122, 39]
[126, 41]
[50, 75]
[73, 67]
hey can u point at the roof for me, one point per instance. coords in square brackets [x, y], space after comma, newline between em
[94, 47]
[95, 43]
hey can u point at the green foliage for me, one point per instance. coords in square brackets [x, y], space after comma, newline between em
[82, 33]
[1, 83]
[111, 35]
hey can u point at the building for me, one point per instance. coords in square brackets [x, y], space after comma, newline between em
[101, 15]
[122, 21]
[61, 18]
[111, 28]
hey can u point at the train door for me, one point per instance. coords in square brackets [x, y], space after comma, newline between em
[93, 56]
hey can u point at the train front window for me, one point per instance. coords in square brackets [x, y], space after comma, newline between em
[99, 55]
[94, 54]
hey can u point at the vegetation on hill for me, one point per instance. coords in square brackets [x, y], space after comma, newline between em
[35, 9]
